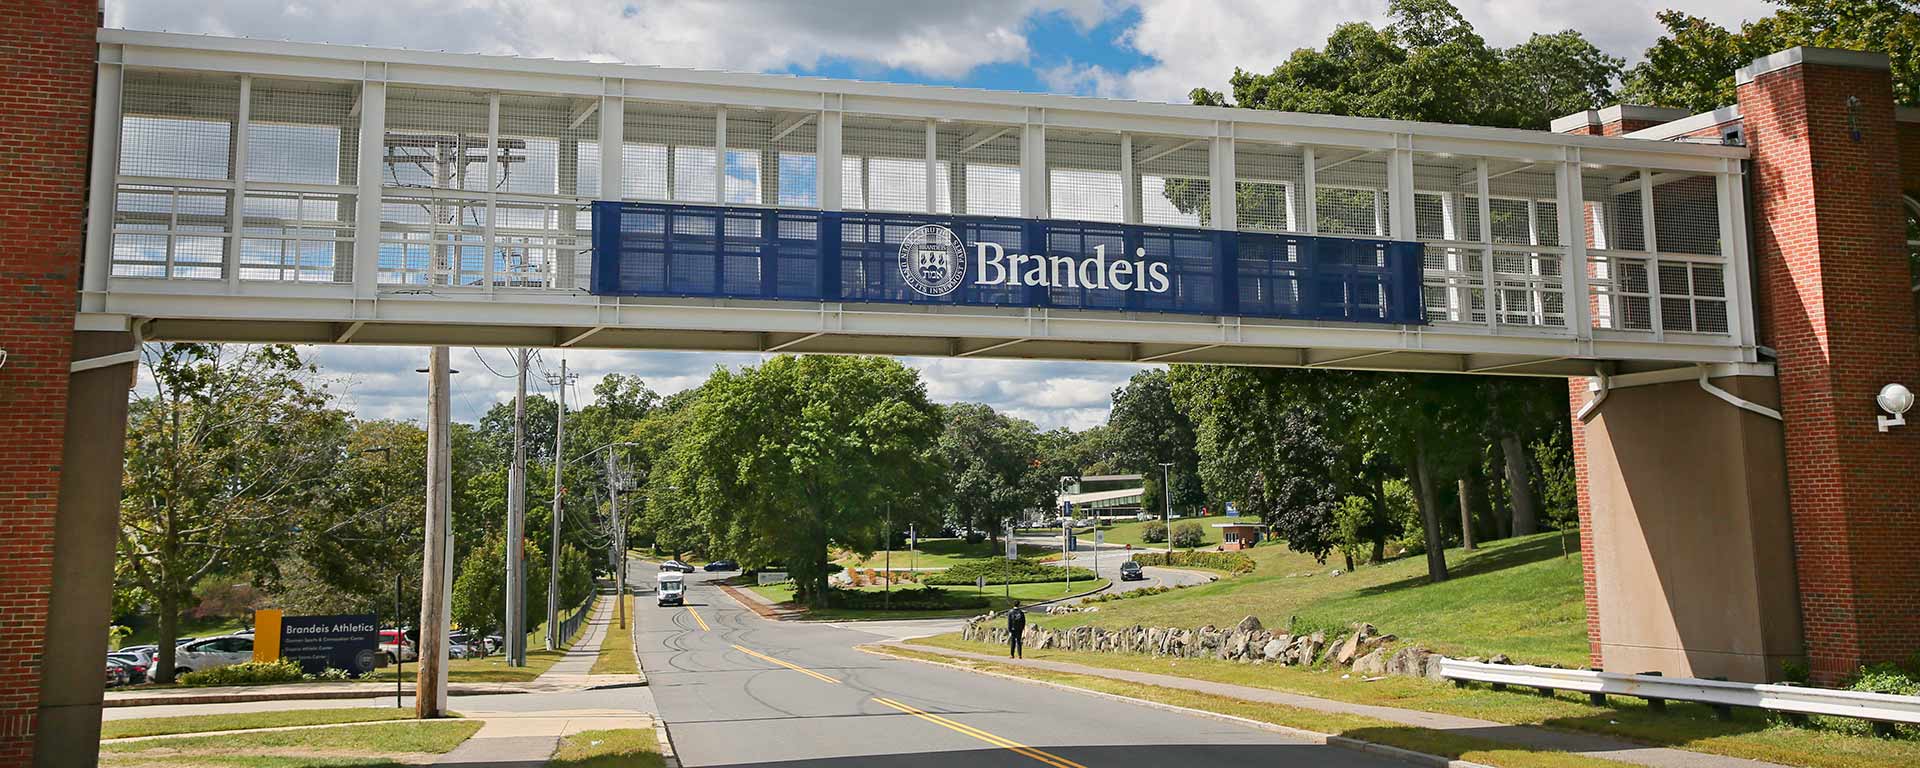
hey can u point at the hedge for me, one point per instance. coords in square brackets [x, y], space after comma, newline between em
[249, 673]
[1232, 562]
[1000, 571]
[916, 599]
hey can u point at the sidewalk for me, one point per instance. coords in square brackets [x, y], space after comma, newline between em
[526, 740]
[574, 671]
[1529, 737]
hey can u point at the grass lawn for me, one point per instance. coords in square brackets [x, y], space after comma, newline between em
[1130, 532]
[997, 597]
[1470, 748]
[355, 746]
[494, 669]
[1750, 734]
[937, 553]
[160, 726]
[622, 748]
[1519, 597]
[616, 648]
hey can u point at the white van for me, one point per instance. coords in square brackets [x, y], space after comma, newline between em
[673, 588]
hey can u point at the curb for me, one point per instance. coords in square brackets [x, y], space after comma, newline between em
[235, 698]
[667, 755]
[1312, 737]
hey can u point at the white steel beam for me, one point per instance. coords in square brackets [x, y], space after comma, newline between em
[366, 216]
[105, 160]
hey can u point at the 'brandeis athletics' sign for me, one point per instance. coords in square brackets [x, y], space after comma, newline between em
[337, 642]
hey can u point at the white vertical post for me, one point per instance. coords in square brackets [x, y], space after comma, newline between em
[1033, 166]
[720, 156]
[516, 634]
[613, 143]
[236, 204]
[1221, 179]
[97, 270]
[1309, 192]
[1400, 190]
[933, 187]
[489, 249]
[1573, 235]
[1130, 198]
[1489, 300]
[827, 172]
[1652, 247]
[1733, 248]
[366, 217]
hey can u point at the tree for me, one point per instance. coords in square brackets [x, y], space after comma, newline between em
[1146, 429]
[1692, 66]
[994, 471]
[228, 449]
[782, 461]
[479, 591]
[1188, 535]
[1428, 63]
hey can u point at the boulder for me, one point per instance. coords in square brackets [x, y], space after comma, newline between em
[1237, 646]
[1371, 665]
[1433, 668]
[1408, 662]
[1349, 649]
[1249, 624]
[1274, 648]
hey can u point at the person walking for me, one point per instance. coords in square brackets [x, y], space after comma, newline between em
[1016, 626]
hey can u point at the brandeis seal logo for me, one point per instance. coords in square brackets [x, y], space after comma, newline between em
[933, 261]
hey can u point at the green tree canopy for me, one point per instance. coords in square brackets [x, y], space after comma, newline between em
[782, 461]
[994, 468]
[1693, 64]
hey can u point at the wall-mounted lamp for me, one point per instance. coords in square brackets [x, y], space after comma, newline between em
[1894, 399]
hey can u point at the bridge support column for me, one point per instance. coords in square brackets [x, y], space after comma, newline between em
[1835, 303]
[1686, 539]
[85, 530]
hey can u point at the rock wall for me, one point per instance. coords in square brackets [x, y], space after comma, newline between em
[1364, 649]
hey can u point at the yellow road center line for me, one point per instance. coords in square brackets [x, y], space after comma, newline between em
[1037, 754]
[794, 667]
[696, 617]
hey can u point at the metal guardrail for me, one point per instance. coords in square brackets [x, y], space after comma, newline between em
[1789, 699]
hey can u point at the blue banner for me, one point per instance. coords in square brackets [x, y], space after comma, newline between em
[680, 250]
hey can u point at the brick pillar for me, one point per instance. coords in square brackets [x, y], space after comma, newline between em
[1576, 399]
[46, 112]
[1837, 308]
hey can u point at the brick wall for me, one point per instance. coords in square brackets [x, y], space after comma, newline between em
[1577, 397]
[1830, 248]
[46, 107]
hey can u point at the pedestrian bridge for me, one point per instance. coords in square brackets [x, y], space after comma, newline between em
[251, 190]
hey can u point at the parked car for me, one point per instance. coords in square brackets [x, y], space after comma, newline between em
[136, 662]
[676, 566]
[397, 646]
[723, 565]
[212, 653]
[1131, 571]
[117, 674]
[495, 643]
[463, 646]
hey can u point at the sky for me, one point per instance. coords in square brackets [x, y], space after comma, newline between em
[1148, 50]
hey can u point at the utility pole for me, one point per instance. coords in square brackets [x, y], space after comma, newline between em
[559, 490]
[619, 552]
[1166, 505]
[517, 522]
[436, 579]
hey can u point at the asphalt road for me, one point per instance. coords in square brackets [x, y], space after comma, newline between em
[739, 690]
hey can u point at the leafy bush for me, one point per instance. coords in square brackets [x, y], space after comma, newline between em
[917, 599]
[1000, 571]
[1154, 532]
[1188, 535]
[249, 673]
[1885, 678]
[1232, 562]
[1108, 597]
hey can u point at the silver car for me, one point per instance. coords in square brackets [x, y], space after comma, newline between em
[212, 653]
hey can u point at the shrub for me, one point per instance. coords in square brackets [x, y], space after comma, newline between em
[1000, 571]
[1885, 678]
[249, 673]
[917, 599]
[1235, 563]
[331, 674]
[1188, 535]
[1154, 532]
